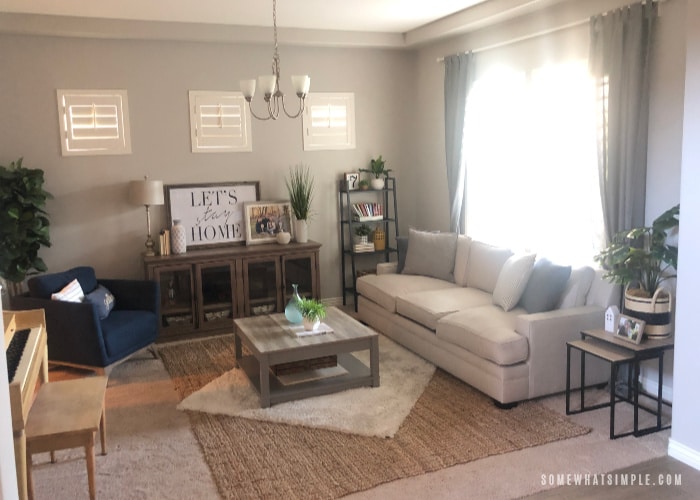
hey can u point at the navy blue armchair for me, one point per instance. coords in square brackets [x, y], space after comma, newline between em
[76, 334]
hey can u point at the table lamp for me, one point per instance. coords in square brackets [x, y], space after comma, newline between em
[147, 193]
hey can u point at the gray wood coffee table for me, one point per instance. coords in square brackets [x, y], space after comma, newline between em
[270, 343]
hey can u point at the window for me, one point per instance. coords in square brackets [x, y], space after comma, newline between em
[219, 122]
[93, 122]
[329, 121]
[531, 161]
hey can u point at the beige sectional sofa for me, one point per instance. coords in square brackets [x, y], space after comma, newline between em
[498, 321]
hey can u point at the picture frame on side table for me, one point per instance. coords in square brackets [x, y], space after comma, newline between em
[630, 329]
[212, 214]
[264, 219]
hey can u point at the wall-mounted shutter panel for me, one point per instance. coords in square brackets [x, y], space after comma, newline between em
[93, 122]
[329, 121]
[219, 121]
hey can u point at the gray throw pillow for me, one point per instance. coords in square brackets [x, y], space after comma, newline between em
[402, 248]
[545, 286]
[431, 254]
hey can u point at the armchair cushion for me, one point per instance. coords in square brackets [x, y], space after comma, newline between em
[125, 332]
[72, 292]
[43, 286]
[102, 299]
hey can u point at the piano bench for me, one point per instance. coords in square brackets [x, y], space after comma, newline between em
[64, 415]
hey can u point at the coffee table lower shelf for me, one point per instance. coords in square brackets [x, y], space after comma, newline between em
[358, 375]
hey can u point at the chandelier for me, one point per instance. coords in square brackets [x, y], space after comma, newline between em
[270, 84]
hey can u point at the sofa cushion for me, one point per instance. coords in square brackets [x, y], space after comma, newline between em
[431, 254]
[462, 259]
[72, 292]
[577, 288]
[401, 249]
[545, 286]
[485, 264]
[487, 331]
[41, 287]
[102, 299]
[427, 308]
[512, 280]
[384, 288]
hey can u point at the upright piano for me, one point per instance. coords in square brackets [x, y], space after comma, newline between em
[27, 360]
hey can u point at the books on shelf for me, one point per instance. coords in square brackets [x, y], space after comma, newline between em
[164, 242]
[367, 211]
[363, 247]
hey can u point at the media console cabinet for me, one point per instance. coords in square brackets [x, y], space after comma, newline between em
[203, 291]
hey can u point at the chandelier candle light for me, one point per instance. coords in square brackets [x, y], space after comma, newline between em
[270, 84]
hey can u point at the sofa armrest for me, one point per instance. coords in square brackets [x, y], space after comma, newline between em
[134, 295]
[73, 330]
[387, 267]
[547, 335]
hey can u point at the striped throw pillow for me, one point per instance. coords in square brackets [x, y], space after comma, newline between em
[72, 292]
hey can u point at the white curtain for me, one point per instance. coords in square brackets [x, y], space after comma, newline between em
[532, 172]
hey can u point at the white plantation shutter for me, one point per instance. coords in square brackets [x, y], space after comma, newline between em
[329, 121]
[219, 121]
[93, 122]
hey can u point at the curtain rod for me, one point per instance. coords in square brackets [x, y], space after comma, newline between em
[534, 35]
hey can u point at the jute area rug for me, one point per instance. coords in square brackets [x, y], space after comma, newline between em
[451, 423]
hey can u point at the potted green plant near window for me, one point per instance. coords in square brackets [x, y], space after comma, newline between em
[24, 224]
[641, 260]
[378, 171]
[300, 186]
[312, 312]
[362, 233]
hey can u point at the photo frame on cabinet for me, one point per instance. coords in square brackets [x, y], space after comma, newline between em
[265, 219]
[212, 214]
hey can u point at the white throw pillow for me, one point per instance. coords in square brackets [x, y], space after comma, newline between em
[462, 259]
[512, 280]
[72, 292]
[577, 288]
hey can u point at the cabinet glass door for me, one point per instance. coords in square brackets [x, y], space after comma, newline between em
[176, 298]
[216, 295]
[299, 270]
[262, 278]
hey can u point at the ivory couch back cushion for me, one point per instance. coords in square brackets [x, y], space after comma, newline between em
[485, 264]
[462, 259]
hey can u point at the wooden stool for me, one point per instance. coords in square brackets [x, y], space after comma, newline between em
[66, 415]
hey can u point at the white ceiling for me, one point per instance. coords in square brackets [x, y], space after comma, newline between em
[385, 16]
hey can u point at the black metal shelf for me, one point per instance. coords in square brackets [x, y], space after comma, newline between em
[387, 197]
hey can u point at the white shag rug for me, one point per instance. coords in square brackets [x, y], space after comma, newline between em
[365, 411]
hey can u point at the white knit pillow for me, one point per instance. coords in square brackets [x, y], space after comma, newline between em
[72, 292]
[512, 280]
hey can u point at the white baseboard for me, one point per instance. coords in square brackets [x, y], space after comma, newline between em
[651, 385]
[683, 453]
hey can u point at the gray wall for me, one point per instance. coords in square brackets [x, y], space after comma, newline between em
[92, 221]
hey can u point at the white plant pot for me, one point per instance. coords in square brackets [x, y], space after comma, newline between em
[311, 325]
[301, 231]
[377, 183]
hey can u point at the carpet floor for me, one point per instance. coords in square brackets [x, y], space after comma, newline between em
[450, 424]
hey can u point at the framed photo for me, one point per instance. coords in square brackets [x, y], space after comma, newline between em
[352, 180]
[211, 213]
[264, 219]
[630, 329]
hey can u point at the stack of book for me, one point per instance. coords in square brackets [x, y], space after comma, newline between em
[367, 211]
[165, 242]
[363, 247]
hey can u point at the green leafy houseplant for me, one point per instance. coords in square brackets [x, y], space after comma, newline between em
[363, 230]
[642, 258]
[300, 185]
[376, 168]
[311, 309]
[24, 224]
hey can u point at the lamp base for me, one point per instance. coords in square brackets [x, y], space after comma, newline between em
[150, 245]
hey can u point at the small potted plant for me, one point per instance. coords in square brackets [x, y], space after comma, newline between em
[312, 312]
[377, 170]
[640, 260]
[300, 186]
[362, 233]
[363, 185]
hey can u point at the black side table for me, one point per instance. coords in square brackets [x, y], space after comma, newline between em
[606, 346]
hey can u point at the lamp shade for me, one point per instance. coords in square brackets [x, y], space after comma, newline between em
[146, 192]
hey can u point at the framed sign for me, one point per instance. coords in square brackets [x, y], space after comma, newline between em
[630, 329]
[264, 219]
[211, 213]
[352, 180]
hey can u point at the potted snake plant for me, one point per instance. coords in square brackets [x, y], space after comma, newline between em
[642, 260]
